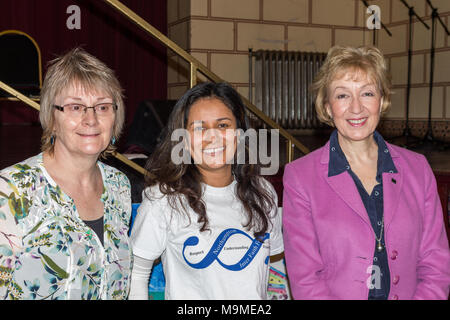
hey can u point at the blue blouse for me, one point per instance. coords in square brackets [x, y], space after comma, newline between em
[373, 203]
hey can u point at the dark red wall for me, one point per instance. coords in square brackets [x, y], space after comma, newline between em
[138, 60]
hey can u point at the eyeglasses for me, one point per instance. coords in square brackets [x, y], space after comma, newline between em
[77, 110]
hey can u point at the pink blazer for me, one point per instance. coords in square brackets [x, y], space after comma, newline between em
[329, 241]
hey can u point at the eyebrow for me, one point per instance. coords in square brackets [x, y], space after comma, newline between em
[73, 98]
[368, 84]
[81, 100]
[225, 118]
[201, 121]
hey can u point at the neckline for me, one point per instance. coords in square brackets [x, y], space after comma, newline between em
[219, 190]
[338, 163]
[40, 162]
[93, 222]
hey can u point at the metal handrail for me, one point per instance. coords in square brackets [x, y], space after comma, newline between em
[196, 65]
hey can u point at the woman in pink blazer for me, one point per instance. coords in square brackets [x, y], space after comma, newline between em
[361, 217]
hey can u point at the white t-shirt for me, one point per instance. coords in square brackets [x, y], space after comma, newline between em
[226, 262]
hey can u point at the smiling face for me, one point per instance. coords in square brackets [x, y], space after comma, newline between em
[354, 104]
[211, 125]
[87, 134]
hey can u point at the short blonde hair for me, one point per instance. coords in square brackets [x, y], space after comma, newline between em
[344, 60]
[77, 67]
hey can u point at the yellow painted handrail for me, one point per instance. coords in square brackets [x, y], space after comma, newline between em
[18, 95]
[196, 65]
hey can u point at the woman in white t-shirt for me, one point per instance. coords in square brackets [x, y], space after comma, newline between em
[206, 211]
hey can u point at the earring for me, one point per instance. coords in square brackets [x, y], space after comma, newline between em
[113, 140]
[52, 139]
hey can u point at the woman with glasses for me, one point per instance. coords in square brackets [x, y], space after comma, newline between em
[64, 215]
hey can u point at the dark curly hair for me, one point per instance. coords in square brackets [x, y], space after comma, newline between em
[183, 181]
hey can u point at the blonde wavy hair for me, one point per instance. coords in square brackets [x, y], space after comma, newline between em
[77, 67]
[341, 61]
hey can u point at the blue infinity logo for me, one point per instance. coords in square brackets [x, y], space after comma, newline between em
[217, 247]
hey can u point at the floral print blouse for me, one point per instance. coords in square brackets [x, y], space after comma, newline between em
[47, 251]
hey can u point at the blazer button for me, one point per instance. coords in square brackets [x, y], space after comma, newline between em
[394, 254]
[395, 297]
[396, 279]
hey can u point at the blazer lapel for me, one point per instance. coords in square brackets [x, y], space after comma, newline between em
[392, 187]
[344, 186]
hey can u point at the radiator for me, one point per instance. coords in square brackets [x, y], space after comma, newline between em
[282, 80]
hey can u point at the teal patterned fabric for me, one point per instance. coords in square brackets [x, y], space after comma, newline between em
[47, 251]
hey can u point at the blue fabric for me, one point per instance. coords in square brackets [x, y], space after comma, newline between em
[373, 203]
